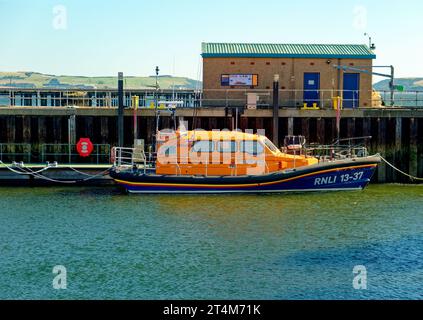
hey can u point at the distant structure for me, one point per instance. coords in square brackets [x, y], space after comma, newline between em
[21, 85]
[56, 84]
[307, 73]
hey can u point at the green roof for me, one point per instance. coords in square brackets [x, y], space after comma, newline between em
[257, 50]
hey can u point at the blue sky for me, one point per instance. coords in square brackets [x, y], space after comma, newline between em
[104, 37]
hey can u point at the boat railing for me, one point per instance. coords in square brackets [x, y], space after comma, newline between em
[340, 149]
[133, 157]
[332, 153]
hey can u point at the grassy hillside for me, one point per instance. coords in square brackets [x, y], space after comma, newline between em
[410, 84]
[39, 80]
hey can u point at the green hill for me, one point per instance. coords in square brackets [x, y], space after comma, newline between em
[409, 84]
[39, 80]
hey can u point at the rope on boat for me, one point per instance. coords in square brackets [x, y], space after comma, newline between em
[400, 171]
[101, 174]
[37, 174]
[23, 173]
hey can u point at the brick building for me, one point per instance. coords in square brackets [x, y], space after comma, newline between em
[307, 73]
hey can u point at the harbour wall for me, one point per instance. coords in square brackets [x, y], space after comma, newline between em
[397, 134]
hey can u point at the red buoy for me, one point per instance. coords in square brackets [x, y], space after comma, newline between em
[84, 147]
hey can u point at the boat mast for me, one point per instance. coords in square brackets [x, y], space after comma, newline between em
[156, 101]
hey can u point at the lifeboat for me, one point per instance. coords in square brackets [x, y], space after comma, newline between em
[236, 162]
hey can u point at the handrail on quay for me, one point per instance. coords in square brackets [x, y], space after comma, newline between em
[15, 151]
[66, 153]
[93, 98]
[62, 153]
[108, 98]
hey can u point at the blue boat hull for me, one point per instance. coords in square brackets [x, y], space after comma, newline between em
[336, 176]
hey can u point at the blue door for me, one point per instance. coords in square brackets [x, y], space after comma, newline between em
[351, 90]
[311, 89]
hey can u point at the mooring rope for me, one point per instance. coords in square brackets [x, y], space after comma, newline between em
[20, 172]
[89, 175]
[400, 171]
[39, 176]
[28, 172]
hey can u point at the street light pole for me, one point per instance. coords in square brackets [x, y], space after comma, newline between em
[157, 78]
[121, 140]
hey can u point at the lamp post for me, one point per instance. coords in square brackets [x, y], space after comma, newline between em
[157, 86]
[276, 110]
[121, 121]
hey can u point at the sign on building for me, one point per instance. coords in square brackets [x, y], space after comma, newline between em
[239, 80]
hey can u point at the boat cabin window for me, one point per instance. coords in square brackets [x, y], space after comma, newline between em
[226, 147]
[270, 145]
[254, 148]
[203, 146]
[168, 151]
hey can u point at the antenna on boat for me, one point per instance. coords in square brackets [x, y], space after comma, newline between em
[156, 101]
[173, 96]
[338, 117]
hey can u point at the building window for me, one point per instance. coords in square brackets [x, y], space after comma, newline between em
[268, 63]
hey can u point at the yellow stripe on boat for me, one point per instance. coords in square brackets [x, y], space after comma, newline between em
[240, 185]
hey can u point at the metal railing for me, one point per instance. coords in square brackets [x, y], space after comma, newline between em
[341, 149]
[130, 158]
[322, 98]
[287, 98]
[331, 153]
[15, 152]
[205, 98]
[133, 158]
[65, 153]
[95, 98]
[406, 99]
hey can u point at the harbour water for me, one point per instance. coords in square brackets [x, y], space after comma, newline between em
[116, 246]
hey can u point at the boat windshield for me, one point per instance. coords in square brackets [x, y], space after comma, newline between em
[270, 145]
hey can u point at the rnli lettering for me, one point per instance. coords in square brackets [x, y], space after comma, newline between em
[325, 181]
